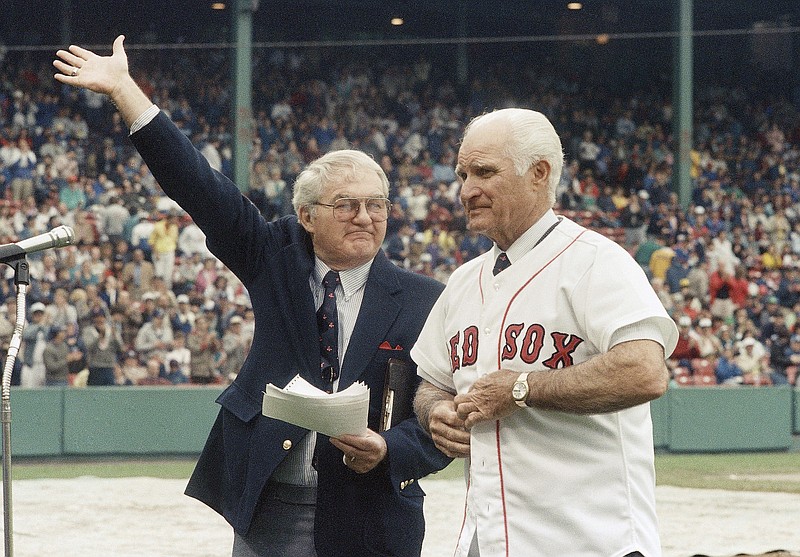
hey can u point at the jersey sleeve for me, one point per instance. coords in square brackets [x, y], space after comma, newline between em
[615, 295]
[431, 353]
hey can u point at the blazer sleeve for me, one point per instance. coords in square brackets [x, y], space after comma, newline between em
[235, 231]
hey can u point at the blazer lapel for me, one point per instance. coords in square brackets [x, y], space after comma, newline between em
[297, 308]
[379, 310]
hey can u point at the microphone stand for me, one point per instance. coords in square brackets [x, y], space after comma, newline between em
[21, 281]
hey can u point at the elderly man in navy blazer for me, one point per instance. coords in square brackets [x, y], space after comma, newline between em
[287, 491]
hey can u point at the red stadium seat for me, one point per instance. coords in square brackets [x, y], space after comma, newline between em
[701, 366]
[704, 380]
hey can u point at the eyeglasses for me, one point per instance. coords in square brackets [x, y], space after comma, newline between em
[346, 208]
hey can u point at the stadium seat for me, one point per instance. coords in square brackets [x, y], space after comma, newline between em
[704, 380]
[701, 366]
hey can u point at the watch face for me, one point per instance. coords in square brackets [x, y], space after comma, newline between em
[519, 391]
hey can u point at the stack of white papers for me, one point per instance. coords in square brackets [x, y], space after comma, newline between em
[302, 404]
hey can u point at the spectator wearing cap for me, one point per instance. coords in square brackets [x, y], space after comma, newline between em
[753, 361]
[182, 317]
[155, 337]
[708, 343]
[148, 306]
[103, 346]
[34, 337]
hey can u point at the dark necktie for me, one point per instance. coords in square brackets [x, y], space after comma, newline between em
[328, 323]
[501, 263]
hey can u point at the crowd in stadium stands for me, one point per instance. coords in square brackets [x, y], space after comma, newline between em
[140, 300]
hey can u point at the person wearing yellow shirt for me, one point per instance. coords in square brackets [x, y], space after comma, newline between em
[660, 261]
[163, 243]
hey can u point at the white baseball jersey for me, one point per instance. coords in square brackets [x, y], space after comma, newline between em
[540, 482]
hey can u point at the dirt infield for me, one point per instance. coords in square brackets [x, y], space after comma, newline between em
[136, 517]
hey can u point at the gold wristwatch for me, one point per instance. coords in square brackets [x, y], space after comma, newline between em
[519, 392]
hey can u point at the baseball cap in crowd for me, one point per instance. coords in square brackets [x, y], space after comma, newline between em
[38, 306]
[749, 341]
[772, 299]
[235, 319]
[182, 299]
[795, 338]
[684, 282]
[685, 321]
[704, 322]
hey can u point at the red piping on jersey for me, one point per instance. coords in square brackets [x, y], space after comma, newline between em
[464, 520]
[499, 356]
[502, 485]
[480, 284]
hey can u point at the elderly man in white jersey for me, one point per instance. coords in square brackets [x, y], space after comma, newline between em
[538, 363]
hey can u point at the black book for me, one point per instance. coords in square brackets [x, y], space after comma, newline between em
[398, 392]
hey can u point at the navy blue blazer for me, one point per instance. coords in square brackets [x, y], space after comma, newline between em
[377, 513]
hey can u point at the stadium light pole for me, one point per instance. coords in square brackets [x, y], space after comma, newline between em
[682, 78]
[242, 108]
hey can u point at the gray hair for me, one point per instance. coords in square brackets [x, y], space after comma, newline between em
[333, 168]
[532, 138]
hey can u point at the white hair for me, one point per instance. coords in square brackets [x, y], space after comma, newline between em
[532, 138]
[333, 167]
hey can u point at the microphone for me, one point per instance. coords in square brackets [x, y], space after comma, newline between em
[56, 238]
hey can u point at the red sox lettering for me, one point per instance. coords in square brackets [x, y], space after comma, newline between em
[524, 342]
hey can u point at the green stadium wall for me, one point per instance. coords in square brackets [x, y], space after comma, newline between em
[104, 421]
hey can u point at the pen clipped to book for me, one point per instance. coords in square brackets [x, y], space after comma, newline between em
[398, 393]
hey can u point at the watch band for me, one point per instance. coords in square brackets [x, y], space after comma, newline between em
[523, 378]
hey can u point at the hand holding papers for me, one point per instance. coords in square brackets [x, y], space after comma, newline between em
[302, 404]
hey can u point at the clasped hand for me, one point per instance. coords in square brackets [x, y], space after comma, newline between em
[488, 399]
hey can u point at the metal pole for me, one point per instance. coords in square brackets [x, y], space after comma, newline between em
[21, 280]
[683, 77]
